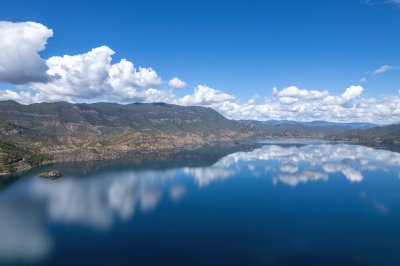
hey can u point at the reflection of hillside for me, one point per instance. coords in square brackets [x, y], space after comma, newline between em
[204, 156]
[8, 180]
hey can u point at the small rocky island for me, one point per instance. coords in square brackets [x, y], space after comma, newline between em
[51, 175]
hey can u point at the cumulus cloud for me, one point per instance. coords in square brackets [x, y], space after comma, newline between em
[345, 99]
[80, 76]
[204, 95]
[87, 76]
[91, 76]
[288, 100]
[22, 97]
[292, 95]
[384, 69]
[20, 62]
[176, 83]
[253, 98]
[295, 92]
[124, 74]
[295, 104]
[352, 92]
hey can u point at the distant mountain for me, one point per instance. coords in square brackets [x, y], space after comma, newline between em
[382, 131]
[293, 129]
[108, 118]
[357, 125]
[287, 130]
[383, 134]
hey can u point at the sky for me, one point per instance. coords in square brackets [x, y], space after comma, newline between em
[288, 60]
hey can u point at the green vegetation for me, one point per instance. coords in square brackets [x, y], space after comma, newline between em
[51, 175]
[14, 157]
[61, 131]
[108, 118]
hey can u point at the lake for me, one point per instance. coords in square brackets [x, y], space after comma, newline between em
[275, 203]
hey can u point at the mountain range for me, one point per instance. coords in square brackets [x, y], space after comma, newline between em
[51, 132]
[357, 125]
[63, 131]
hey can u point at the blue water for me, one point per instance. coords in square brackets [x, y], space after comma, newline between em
[311, 203]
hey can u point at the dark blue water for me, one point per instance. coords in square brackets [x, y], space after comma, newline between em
[280, 204]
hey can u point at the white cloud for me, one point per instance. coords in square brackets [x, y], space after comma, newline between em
[346, 98]
[363, 80]
[384, 69]
[294, 92]
[253, 98]
[288, 100]
[124, 74]
[352, 92]
[343, 108]
[204, 95]
[176, 83]
[20, 43]
[80, 76]
[22, 97]
[251, 101]
[91, 76]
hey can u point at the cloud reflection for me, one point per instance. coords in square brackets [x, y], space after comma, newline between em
[205, 175]
[300, 164]
[23, 234]
[98, 200]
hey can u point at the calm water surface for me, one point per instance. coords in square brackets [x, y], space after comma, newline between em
[301, 203]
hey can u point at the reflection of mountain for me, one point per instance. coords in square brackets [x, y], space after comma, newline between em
[204, 156]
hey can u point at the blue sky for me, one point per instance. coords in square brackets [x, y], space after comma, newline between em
[242, 48]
